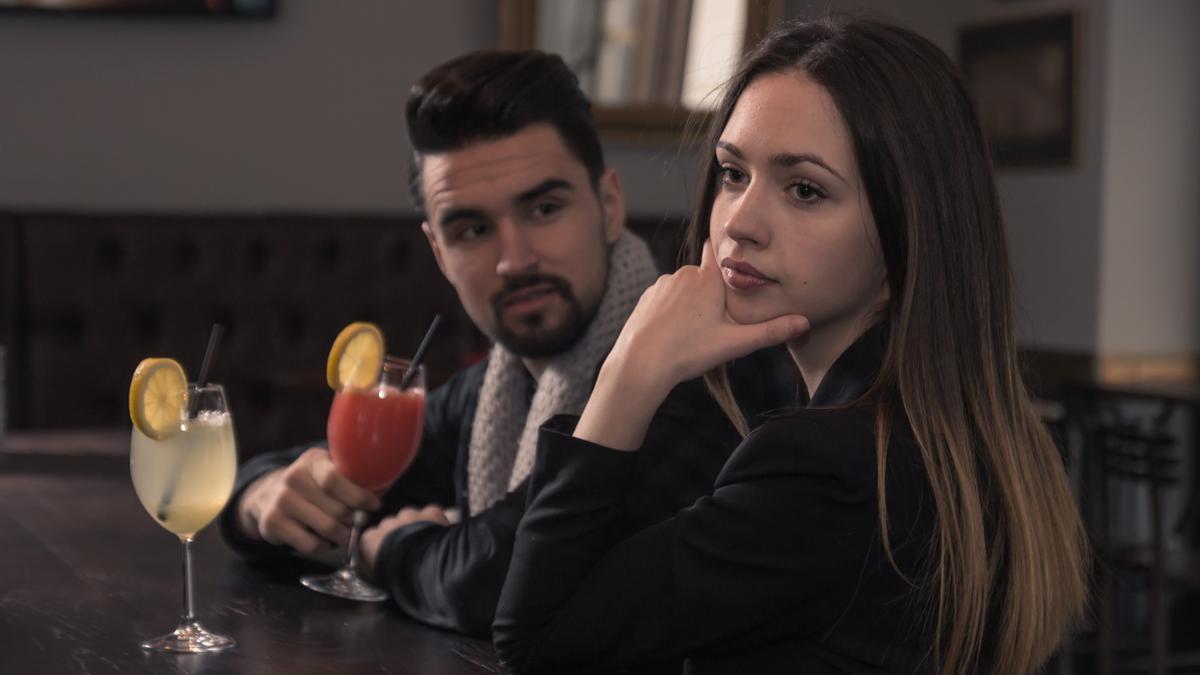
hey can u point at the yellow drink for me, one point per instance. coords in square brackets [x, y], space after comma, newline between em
[184, 480]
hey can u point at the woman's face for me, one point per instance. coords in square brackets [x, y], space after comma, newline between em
[790, 224]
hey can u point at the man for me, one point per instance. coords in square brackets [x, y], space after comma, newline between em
[528, 226]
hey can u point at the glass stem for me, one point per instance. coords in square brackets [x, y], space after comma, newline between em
[189, 612]
[352, 554]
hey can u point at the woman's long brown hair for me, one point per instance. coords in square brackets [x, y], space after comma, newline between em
[1009, 561]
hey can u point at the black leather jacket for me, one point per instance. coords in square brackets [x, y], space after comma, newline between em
[451, 577]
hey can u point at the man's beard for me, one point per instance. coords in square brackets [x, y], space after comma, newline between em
[538, 340]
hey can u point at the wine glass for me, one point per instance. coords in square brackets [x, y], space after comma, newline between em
[184, 481]
[373, 436]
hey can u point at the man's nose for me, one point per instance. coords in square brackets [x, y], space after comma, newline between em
[517, 255]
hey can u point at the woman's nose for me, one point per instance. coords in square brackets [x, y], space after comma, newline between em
[745, 222]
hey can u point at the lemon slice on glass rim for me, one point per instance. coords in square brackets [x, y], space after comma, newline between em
[158, 397]
[356, 358]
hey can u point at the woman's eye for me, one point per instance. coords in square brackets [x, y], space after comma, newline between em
[730, 175]
[806, 192]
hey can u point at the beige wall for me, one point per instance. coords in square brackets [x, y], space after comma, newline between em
[1052, 213]
[301, 112]
[1106, 251]
[1150, 243]
[304, 113]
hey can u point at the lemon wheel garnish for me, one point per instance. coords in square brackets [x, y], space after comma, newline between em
[157, 396]
[356, 358]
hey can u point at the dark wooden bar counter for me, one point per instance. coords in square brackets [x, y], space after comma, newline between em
[85, 574]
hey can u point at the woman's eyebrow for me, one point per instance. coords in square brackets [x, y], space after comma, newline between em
[785, 159]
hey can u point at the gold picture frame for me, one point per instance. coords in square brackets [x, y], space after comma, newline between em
[1023, 78]
[636, 123]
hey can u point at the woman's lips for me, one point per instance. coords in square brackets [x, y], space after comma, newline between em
[743, 276]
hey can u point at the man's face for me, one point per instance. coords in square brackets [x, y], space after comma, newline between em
[518, 230]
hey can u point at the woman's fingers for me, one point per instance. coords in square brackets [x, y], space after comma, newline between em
[708, 259]
[680, 328]
[753, 337]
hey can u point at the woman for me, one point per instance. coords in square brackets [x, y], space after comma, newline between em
[915, 516]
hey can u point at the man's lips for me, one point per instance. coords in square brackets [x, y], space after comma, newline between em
[743, 276]
[527, 298]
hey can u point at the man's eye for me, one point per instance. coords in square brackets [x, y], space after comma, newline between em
[546, 209]
[474, 231]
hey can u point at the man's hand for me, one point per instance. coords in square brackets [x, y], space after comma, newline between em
[372, 538]
[307, 505]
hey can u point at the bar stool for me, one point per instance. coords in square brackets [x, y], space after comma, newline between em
[1132, 455]
[1136, 435]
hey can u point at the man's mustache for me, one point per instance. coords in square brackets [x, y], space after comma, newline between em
[514, 285]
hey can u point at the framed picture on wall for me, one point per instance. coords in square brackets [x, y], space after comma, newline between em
[216, 8]
[1022, 77]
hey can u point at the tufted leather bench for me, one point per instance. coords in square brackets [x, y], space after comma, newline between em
[10, 276]
[100, 293]
[86, 297]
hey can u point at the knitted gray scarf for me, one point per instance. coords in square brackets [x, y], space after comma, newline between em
[504, 432]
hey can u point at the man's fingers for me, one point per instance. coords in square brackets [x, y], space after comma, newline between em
[311, 517]
[431, 513]
[290, 533]
[324, 476]
[370, 543]
[434, 513]
[300, 482]
[343, 489]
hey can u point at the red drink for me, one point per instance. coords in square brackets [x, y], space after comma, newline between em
[373, 437]
[374, 434]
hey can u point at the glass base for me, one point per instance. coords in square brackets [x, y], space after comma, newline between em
[189, 638]
[344, 583]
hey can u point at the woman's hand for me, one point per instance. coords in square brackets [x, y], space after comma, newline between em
[679, 330]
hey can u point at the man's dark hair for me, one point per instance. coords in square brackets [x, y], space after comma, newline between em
[488, 95]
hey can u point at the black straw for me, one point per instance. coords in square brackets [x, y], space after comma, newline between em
[214, 337]
[416, 359]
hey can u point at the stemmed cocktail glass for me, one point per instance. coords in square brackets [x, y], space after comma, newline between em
[373, 434]
[183, 474]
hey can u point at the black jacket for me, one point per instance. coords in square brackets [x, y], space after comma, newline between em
[777, 569]
[451, 577]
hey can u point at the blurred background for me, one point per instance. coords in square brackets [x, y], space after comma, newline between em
[167, 165]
